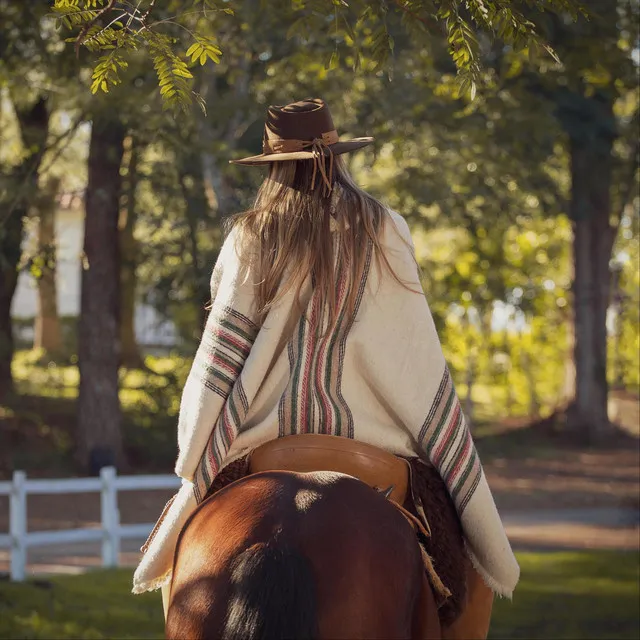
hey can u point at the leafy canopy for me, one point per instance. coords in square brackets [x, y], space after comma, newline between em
[117, 29]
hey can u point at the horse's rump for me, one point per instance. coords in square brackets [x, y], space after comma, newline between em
[445, 546]
[282, 554]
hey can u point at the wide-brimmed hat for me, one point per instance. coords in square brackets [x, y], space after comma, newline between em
[303, 130]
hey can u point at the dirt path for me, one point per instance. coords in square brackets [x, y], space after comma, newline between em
[571, 479]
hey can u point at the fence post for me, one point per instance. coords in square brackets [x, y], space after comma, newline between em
[110, 518]
[18, 526]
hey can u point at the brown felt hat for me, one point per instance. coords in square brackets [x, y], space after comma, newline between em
[300, 131]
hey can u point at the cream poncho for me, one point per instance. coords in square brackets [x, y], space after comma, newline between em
[381, 379]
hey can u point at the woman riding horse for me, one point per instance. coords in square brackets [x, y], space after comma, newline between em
[318, 325]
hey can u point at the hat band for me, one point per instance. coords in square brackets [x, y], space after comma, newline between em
[283, 145]
[316, 147]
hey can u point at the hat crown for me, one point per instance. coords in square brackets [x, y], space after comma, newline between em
[302, 130]
[303, 120]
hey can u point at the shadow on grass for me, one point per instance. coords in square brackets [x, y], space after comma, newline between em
[541, 440]
[495, 441]
[39, 433]
[38, 423]
[40, 438]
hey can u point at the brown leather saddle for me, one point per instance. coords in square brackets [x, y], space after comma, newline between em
[379, 469]
[318, 452]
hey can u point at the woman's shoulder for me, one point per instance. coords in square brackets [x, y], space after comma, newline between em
[397, 229]
[237, 256]
[240, 242]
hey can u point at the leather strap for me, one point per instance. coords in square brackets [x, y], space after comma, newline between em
[283, 145]
[317, 146]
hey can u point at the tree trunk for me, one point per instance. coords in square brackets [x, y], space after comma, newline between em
[99, 415]
[471, 374]
[130, 353]
[527, 367]
[591, 162]
[10, 241]
[196, 202]
[219, 192]
[567, 391]
[510, 401]
[468, 401]
[47, 331]
[34, 128]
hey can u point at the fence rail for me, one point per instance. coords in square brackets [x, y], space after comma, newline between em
[110, 532]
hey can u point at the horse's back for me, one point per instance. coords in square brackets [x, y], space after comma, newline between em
[303, 555]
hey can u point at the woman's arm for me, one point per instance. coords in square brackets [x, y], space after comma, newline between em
[226, 341]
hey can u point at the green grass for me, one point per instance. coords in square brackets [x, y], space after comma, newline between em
[139, 390]
[93, 605]
[561, 595]
[589, 594]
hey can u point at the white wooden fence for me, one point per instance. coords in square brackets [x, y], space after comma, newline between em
[110, 533]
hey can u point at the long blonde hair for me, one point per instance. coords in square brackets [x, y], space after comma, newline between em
[301, 232]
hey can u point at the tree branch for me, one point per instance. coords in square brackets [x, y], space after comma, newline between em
[64, 136]
[148, 11]
[60, 138]
[132, 14]
[90, 24]
[414, 15]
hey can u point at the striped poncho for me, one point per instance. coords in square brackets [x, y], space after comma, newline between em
[380, 378]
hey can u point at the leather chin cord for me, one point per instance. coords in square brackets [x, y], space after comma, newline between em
[318, 148]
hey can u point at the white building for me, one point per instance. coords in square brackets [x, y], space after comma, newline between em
[151, 329]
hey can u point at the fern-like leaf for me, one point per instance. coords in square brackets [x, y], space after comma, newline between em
[105, 75]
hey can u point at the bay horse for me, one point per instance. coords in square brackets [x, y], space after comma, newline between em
[301, 556]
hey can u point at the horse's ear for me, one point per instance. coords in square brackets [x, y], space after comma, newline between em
[387, 492]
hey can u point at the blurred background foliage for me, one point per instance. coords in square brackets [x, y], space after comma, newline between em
[494, 185]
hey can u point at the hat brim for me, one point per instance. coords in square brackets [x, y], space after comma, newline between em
[337, 149]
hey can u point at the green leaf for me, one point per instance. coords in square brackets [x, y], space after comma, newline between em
[183, 73]
[193, 48]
